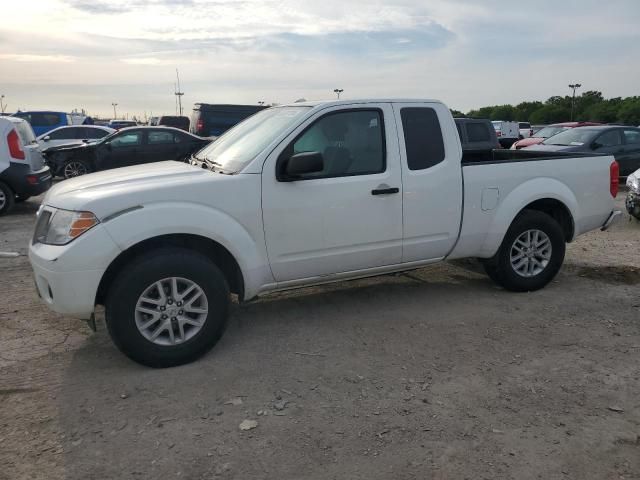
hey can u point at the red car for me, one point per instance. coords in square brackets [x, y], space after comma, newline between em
[549, 131]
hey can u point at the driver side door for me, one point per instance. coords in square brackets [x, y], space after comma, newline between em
[121, 150]
[345, 218]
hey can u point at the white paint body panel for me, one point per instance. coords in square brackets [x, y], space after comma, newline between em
[286, 235]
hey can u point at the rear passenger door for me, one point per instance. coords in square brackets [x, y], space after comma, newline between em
[161, 145]
[630, 160]
[431, 180]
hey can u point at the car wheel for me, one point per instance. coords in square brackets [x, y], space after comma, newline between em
[75, 168]
[168, 307]
[531, 253]
[7, 198]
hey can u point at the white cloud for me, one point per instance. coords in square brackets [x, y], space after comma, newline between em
[27, 57]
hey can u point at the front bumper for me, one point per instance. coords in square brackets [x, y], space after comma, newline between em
[612, 217]
[67, 277]
[632, 203]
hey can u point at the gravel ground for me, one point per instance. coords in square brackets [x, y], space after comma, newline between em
[432, 374]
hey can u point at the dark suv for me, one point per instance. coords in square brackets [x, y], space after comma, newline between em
[213, 120]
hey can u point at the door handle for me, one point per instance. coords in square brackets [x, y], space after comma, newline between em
[385, 191]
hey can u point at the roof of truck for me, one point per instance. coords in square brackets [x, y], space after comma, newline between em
[360, 100]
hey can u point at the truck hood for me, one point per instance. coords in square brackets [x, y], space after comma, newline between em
[103, 193]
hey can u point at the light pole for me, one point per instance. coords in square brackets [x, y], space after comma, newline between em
[2, 105]
[338, 91]
[114, 110]
[574, 87]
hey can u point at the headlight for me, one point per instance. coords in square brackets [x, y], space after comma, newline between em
[633, 183]
[59, 227]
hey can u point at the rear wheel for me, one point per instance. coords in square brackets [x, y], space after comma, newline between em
[7, 198]
[75, 168]
[168, 307]
[531, 253]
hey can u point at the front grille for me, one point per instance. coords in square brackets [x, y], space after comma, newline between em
[42, 226]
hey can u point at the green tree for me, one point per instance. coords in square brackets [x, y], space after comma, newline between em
[550, 114]
[629, 112]
[503, 112]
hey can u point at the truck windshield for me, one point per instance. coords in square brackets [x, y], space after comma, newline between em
[238, 146]
[571, 137]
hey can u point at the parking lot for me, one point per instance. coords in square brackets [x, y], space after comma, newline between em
[435, 373]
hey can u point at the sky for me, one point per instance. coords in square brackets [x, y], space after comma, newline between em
[66, 54]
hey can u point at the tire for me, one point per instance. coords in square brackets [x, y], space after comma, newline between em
[7, 198]
[126, 323]
[75, 168]
[528, 271]
[20, 198]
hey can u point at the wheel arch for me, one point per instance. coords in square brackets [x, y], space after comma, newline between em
[206, 246]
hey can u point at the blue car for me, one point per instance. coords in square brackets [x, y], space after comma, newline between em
[44, 121]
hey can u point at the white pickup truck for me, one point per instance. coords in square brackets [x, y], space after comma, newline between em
[300, 195]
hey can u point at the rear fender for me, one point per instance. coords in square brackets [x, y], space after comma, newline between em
[517, 200]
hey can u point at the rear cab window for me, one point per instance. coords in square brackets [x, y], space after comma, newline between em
[422, 137]
[478, 132]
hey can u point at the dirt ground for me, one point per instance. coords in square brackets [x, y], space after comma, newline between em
[433, 374]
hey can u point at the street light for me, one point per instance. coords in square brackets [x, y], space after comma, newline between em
[338, 91]
[574, 87]
[114, 110]
[2, 105]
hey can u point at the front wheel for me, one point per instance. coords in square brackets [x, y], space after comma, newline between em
[167, 307]
[75, 168]
[531, 253]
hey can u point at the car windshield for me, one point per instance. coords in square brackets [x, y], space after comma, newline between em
[571, 137]
[238, 146]
[547, 132]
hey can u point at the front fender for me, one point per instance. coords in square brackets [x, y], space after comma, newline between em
[517, 200]
[159, 219]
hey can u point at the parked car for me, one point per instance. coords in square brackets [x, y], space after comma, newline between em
[44, 121]
[478, 138]
[525, 129]
[507, 132]
[153, 121]
[72, 135]
[299, 195]
[175, 121]
[22, 169]
[118, 124]
[213, 120]
[549, 131]
[633, 197]
[621, 142]
[129, 146]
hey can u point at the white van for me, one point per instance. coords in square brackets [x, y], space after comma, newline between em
[507, 132]
[22, 170]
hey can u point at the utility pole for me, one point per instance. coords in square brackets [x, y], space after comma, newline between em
[2, 104]
[338, 91]
[114, 110]
[178, 94]
[574, 87]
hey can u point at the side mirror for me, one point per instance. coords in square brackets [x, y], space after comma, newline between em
[47, 138]
[304, 163]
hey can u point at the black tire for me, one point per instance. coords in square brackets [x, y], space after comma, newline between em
[500, 268]
[7, 198]
[131, 283]
[75, 167]
[21, 198]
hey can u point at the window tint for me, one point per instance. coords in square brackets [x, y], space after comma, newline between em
[422, 137]
[62, 134]
[160, 138]
[44, 119]
[632, 136]
[609, 139]
[478, 132]
[95, 133]
[25, 132]
[351, 143]
[127, 139]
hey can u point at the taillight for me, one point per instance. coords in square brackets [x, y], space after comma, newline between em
[531, 132]
[15, 149]
[199, 126]
[614, 174]
[498, 133]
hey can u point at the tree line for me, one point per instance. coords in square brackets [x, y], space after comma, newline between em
[590, 106]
